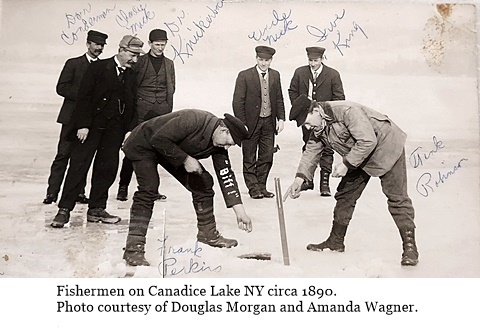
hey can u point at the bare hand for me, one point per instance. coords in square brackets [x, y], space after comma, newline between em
[294, 190]
[82, 134]
[192, 165]
[243, 220]
[280, 126]
[339, 170]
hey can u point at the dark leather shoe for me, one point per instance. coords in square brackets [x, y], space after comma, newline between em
[50, 198]
[62, 218]
[216, 240]
[100, 215]
[122, 194]
[82, 199]
[267, 194]
[255, 194]
[306, 185]
[161, 198]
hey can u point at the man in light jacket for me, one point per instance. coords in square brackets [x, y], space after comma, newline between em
[371, 145]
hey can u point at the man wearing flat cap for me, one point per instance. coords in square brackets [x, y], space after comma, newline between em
[176, 141]
[258, 103]
[67, 87]
[104, 112]
[321, 83]
[155, 89]
[371, 145]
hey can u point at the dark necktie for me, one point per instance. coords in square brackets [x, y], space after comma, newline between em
[120, 74]
[263, 75]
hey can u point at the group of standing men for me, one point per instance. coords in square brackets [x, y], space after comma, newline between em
[133, 91]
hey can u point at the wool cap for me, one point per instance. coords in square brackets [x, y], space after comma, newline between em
[237, 129]
[315, 52]
[299, 109]
[132, 43]
[97, 37]
[157, 35]
[264, 52]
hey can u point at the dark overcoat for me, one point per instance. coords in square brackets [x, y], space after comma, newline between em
[68, 85]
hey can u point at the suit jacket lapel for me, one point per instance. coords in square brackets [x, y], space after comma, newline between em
[111, 74]
[306, 77]
[256, 79]
[322, 77]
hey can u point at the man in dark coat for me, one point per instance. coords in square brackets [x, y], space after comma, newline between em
[258, 103]
[321, 83]
[155, 89]
[67, 87]
[371, 145]
[105, 111]
[176, 141]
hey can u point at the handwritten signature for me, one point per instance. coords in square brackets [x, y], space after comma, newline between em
[139, 13]
[343, 40]
[322, 33]
[172, 266]
[268, 35]
[346, 40]
[426, 185]
[417, 157]
[85, 19]
[185, 46]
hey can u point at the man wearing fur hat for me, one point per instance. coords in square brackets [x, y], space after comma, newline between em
[258, 103]
[176, 141]
[371, 145]
[105, 111]
[156, 86]
[321, 83]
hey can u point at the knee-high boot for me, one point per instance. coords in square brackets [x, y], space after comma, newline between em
[334, 242]
[135, 246]
[207, 229]
[410, 252]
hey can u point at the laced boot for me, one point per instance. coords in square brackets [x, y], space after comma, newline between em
[134, 254]
[61, 219]
[325, 184]
[215, 239]
[334, 242]
[410, 252]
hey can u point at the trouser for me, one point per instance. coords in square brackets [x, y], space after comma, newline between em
[126, 172]
[325, 160]
[104, 145]
[146, 111]
[148, 179]
[394, 186]
[257, 166]
[59, 164]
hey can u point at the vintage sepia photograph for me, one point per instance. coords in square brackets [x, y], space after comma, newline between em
[239, 139]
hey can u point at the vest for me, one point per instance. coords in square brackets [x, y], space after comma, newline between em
[266, 110]
[153, 87]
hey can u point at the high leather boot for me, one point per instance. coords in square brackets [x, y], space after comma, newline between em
[137, 231]
[325, 184]
[134, 253]
[410, 252]
[207, 228]
[334, 242]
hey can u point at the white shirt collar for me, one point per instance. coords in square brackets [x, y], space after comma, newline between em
[118, 63]
[90, 58]
[260, 71]
[319, 70]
